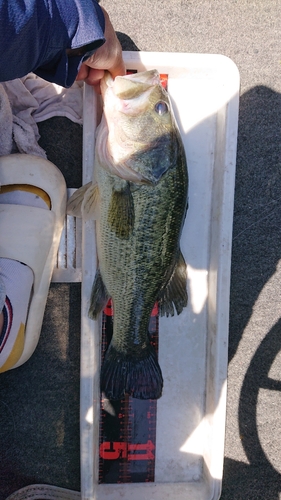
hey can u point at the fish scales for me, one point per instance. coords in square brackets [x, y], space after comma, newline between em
[141, 193]
[145, 259]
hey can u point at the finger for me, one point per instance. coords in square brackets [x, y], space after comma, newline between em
[90, 76]
[83, 72]
[119, 69]
[94, 76]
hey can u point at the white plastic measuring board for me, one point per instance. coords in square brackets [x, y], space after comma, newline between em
[204, 90]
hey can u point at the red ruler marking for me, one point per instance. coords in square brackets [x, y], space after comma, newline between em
[164, 80]
[128, 427]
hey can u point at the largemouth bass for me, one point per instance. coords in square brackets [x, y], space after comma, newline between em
[139, 199]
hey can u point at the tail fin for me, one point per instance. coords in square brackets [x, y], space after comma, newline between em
[140, 377]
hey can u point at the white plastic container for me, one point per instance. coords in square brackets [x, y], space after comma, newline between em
[204, 90]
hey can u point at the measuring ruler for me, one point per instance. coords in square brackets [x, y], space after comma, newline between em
[128, 427]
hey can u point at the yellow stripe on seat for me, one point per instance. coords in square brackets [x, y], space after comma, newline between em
[28, 188]
[16, 351]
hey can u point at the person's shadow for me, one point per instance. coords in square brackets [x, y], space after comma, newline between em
[255, 255]
[256, 252]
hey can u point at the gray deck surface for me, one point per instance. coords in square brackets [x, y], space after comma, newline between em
[39, 402]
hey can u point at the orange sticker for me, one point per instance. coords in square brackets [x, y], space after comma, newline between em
[164, 80]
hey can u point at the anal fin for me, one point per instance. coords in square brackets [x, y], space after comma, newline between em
[99, 296]
[174, 294]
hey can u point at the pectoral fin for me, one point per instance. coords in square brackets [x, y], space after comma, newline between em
[174, 295]
[84, 202]
[74, 203]
[91, 203]
[121, 212]
[99, 296]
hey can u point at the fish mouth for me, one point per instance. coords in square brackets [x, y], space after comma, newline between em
[130, 86]
[106, 81]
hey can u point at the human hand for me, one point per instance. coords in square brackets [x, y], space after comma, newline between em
[107, 57]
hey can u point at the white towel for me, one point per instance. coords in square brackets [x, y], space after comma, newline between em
[6, 123]
[32, 100]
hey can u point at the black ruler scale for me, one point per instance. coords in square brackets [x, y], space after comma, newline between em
[127, 426]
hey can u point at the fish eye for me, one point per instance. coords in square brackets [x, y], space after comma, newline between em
[161, 108]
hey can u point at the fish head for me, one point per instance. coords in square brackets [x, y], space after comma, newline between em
[141, 126]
